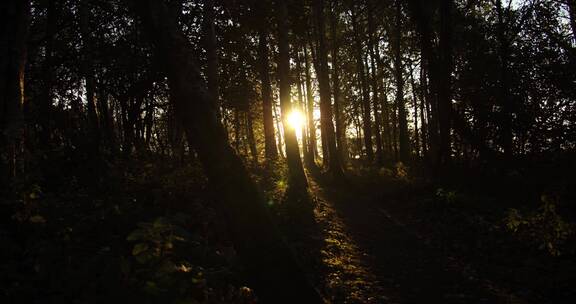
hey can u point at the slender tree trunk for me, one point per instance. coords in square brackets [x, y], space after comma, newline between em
[211, 55]
[270, 147]
[400, 103]
[335, 166]
[269, 267]
[374, 51]
[311, 152]
[250, 136]
[295, 169]
[14, 25]
[301, 101]
[366, 120]
[414, 94]
[430, 63]
[280, 136]
[423, 94]
[45, 105]
[341, 143]
[444, 92]
[504, 88]
[88, 71]
[572, 11]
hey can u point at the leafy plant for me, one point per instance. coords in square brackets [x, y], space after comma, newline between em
[544, 228]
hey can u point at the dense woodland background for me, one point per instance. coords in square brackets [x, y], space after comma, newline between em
[147, 151]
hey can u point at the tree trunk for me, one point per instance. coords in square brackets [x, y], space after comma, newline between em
[14, 25]
[211, 55]
[374, 51]
[45, 105]
[400, 104]
[423, 93]
[301, 101]
[503, 92]
[269, 266]
[88, 72]
[335, 167]
[270, 147]
[366, 120]
[572, 11]
[416, 133]
[444, 89]
[297, 178]
[250, 137]
[311, 151]
[341, 143]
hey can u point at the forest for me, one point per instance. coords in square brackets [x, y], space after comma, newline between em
[287, 151]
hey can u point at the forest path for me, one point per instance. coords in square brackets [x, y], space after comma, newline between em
[374, 258]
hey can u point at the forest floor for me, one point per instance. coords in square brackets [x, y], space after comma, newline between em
[150, 231]
[374, 247]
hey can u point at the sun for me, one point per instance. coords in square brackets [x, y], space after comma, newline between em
[295, 119]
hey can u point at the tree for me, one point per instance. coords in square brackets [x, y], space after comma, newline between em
[14, 21]
[366, 116]
[297, 178]
[400, 103]
[270, 147]
[273, 271]
[335, 166]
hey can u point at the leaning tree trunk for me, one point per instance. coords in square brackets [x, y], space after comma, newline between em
[269, 266]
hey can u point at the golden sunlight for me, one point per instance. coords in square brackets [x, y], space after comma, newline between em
[296, 120]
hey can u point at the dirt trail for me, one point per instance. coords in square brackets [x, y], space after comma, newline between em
[378, 260]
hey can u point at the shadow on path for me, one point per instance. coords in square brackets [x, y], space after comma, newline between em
[376, 257]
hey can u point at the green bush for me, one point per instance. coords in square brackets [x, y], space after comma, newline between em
[545, 228]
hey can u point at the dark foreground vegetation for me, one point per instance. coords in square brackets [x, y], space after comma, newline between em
[287, 151]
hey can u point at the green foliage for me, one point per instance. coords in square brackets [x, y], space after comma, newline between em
[545, 228]
[159, 251]
[447, 197]
[168, 263]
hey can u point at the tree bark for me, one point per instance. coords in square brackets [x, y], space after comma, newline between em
[366, 119]
[269, 266]
[211, 55]
[311, 151]
[503, 92]
[88, 73]
[444, 89]
[270, 147]
[14, 25]
[45, 105]
[335, 166]
[374, 51]
[572, 11]
[297, 178]
[400, 103]
[341, 143]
